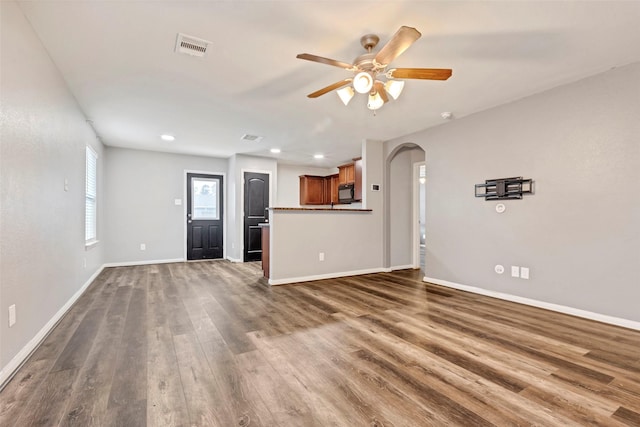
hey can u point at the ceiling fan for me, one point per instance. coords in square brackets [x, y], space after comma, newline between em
[370, 66]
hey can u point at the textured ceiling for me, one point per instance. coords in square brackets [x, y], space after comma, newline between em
[118, 59]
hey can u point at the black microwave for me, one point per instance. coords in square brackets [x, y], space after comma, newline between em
[346, 193]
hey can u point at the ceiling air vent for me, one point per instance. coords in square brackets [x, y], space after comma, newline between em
[191, 45]
[248, 137]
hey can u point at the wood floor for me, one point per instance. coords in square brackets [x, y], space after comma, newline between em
[210, 344]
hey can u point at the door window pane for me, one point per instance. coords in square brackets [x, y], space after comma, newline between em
[205, 198]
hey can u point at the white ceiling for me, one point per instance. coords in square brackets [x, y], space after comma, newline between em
[118, 59]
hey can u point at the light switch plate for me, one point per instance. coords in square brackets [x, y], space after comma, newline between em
[515, 271]
[12, 315]
[524, 272]
[178, 202]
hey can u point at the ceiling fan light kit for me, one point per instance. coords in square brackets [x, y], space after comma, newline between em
[369, 66]
[345, 94]
[375, 101]
[394, 88]
[363, 82]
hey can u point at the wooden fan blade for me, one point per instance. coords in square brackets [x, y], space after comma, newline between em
[327, 61]
[378, 86]
[400, 42]
[336, 85]
[420, 73]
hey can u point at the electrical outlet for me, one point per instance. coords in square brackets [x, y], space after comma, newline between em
[12, 315]
[177, 202]
[66, 184]
[524, 272]
[321, 256]
[515, 271]
[143, 247]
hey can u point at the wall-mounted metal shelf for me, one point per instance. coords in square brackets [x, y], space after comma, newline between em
[504, 188]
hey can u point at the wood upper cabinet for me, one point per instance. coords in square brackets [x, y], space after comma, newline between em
[323, 190]
[319, 190]
[326, 191]
[312, 190]
[352, 173]
[357, 188]
[333, 182]
[347, 173]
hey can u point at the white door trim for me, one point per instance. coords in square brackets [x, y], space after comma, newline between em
[415, 235]
[225, 186]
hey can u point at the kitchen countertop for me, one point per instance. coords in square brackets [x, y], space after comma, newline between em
[320, 209]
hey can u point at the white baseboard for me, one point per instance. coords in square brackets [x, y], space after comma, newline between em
[132, 263]
[234, 259]
[326, 276]
[18, 360]
[402, 267]
[625, 323]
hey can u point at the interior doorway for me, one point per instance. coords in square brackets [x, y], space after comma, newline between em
[402, 226]
[256, 201]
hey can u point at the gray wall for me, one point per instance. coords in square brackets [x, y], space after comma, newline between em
[232, 206]
[345, 238]
[43, 137]
[373, 174]
[580, 233]
[140, 208]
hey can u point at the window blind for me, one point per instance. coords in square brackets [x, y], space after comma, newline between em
[91, 196]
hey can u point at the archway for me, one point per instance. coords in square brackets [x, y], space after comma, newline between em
[401, 210]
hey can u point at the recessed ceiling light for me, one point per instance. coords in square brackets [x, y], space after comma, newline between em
[318, 156]
[275, 150]
[166, 137]
[447, 115]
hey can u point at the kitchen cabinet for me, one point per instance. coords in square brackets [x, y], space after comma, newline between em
[357, 188]
[312, 190]
[319, 190]
[265, 249]
[323, 190]
[333, 181]
[347, 173]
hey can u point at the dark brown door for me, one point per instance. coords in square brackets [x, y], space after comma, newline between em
[256, 200]
[204, 216]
